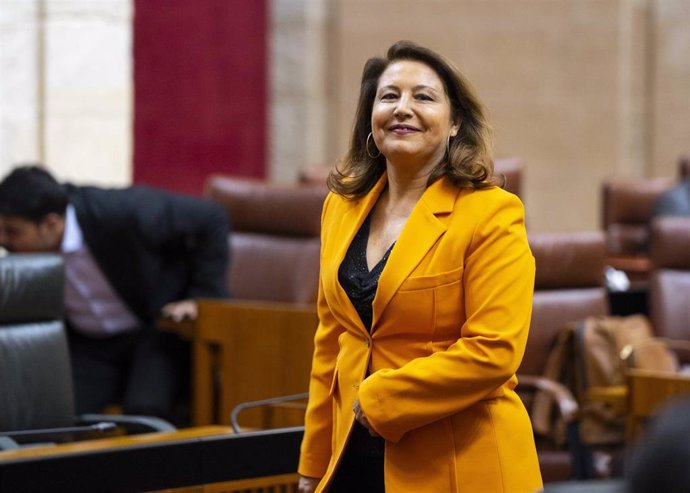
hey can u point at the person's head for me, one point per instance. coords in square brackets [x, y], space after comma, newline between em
[32, 210]
[414, 104]
[659, 462]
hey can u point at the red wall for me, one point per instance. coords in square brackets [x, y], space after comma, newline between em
[200, 89]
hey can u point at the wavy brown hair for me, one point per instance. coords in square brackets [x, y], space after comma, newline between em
[468, 162]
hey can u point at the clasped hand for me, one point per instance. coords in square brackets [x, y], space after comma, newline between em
[308, 485]
[361, 419]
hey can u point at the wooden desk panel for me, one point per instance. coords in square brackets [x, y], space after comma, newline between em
[648, 391]
[152, 462]
[121, 442]
[245, 351]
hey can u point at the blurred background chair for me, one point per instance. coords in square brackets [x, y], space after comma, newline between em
[274, 244]
[684, 166]
[259, 344]
[626, 212]
[37, 401]
[568, 287]
[670, 279]
[657, 370]
[512, 168]
[626, 215]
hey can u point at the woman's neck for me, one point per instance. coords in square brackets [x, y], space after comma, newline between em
[404, 189]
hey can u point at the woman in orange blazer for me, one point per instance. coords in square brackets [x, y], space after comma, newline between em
[424, 300]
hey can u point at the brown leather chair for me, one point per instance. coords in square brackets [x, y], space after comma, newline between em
[259, 344]
[510, 167]
[568, 287]
[274, 244]
[670, 279]
[653, 377]
[36, 390]
[626, 212]
[313, 175]
[684, 166]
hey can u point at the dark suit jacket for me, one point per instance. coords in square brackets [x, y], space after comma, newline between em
[675, 202]
[153, 246]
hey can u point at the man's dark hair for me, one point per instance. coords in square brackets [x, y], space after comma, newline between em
[30, 192]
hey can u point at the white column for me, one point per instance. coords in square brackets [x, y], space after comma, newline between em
[66, 87]
[298, 104]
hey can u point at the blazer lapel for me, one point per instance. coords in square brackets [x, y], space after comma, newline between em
[422, 230]
[350, 223]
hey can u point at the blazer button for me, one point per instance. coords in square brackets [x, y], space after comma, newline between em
[366, 342]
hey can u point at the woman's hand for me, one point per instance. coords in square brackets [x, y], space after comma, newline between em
[307, 485]
[359, 416]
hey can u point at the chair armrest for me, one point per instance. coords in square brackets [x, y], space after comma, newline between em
[261, 403]
[132, 424]
[561, 395]
[61, 434]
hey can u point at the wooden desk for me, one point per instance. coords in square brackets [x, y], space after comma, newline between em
[246, 351]
[649, 390]
[122, 442]
[197, 456]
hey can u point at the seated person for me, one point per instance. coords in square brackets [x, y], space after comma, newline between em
[131, 255]
[675, 202]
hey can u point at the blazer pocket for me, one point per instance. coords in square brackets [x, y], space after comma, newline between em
[416, 283]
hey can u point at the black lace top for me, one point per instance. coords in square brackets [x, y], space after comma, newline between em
[360, 284]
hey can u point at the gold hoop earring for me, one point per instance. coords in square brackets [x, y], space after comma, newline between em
[367, 148]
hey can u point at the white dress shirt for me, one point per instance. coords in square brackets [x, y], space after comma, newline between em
[93, 307]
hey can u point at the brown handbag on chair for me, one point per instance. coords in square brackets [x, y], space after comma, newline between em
[587, 355]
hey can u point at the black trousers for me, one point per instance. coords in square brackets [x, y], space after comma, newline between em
[144, 371]
[361, 467]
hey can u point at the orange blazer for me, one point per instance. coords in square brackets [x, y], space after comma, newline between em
[450, 323]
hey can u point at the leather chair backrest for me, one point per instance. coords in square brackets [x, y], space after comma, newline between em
[626, 211]
[35, 374]
[684, 166]
[511, 168]
[313, 175]
[669, 289]
[569, 286]
[275, 237]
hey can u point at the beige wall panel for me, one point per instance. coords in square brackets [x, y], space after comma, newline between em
[66, 88]
[298, 101]
[670, 81]
[560, 79]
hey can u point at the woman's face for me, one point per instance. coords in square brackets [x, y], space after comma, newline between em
[411, 116]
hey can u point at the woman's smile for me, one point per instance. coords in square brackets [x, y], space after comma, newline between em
[403, 129]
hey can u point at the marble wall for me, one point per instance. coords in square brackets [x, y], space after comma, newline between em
[65, 87]
[300, 107]
[19, 109]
